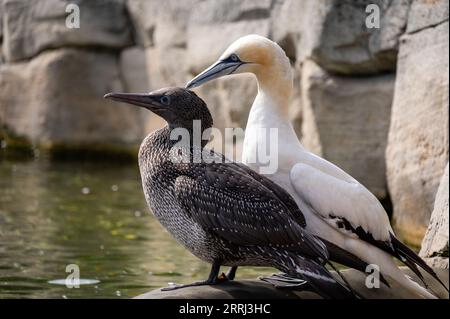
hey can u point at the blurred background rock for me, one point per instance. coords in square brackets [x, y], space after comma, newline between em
[373, 101]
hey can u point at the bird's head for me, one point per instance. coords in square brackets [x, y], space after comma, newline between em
[249, 54]
[179, 107]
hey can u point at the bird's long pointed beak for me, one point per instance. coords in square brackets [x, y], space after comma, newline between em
[217, 70]
[141, 99]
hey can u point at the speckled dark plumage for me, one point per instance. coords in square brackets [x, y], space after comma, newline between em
[224, 213]
[216, 209]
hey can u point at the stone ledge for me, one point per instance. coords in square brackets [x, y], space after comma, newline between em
[438, 262]
[256, 289]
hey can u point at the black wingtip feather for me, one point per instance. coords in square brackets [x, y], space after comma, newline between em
[345, 281]
[343, 257]
[320, 279]
[412, 259]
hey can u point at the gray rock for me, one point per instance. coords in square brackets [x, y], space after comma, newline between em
[335, 35]
[140, 74]
[162, 32]
[214, 25]
[216, 12]
[1, 31]
[206, 42]
[2, 12]
[346, 120]
[33, 26]
[255, 289]
[296, 108]
[417, 151]
[165, 67]
[426, 13]
[143, 15]
[231, 290]
[161, 25]
[1, 22]
[133, 69]
[435, 242]
[287, 24]
[438, 262]
[148, 69]
[57, 98]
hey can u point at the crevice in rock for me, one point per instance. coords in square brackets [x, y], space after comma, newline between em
[289, 47]
[253, 14]
[431, 26]
[386, 202]
[443, 253]
[133, 28]
[86, 48]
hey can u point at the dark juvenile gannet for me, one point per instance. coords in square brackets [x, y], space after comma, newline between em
[223, 212]
[337, 207]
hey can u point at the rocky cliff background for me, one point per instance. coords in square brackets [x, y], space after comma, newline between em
[373, 101]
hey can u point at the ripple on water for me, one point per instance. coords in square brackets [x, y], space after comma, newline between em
[74, 283]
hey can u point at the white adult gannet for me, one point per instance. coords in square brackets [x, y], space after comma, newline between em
[337, 207]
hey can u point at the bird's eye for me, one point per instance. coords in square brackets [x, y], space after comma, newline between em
[164, 100]
[234, 57]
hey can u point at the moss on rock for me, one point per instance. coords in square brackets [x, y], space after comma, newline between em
[13, 146]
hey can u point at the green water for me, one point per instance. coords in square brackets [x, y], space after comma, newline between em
[92, 215]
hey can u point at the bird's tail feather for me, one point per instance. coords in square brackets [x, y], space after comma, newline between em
[343, 257]
[415, 288]
[411, 259]
[317, 276]
[343, 279]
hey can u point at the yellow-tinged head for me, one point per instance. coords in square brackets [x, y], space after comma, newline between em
[254, 49]
[254, 54]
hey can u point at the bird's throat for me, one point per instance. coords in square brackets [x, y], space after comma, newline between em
[275, 85]
[269, 115]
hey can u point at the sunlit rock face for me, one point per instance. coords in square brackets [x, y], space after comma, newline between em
[336, 35]
[346, 120]
[1, 30]
[435, 243]
[56, 98]
[417, 151]
[33, 26]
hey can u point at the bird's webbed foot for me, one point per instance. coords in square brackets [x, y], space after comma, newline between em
[213, 279]
[174, 286]
[231, 273]
[284, 281]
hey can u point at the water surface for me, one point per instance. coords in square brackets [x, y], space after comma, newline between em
[92, 215]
